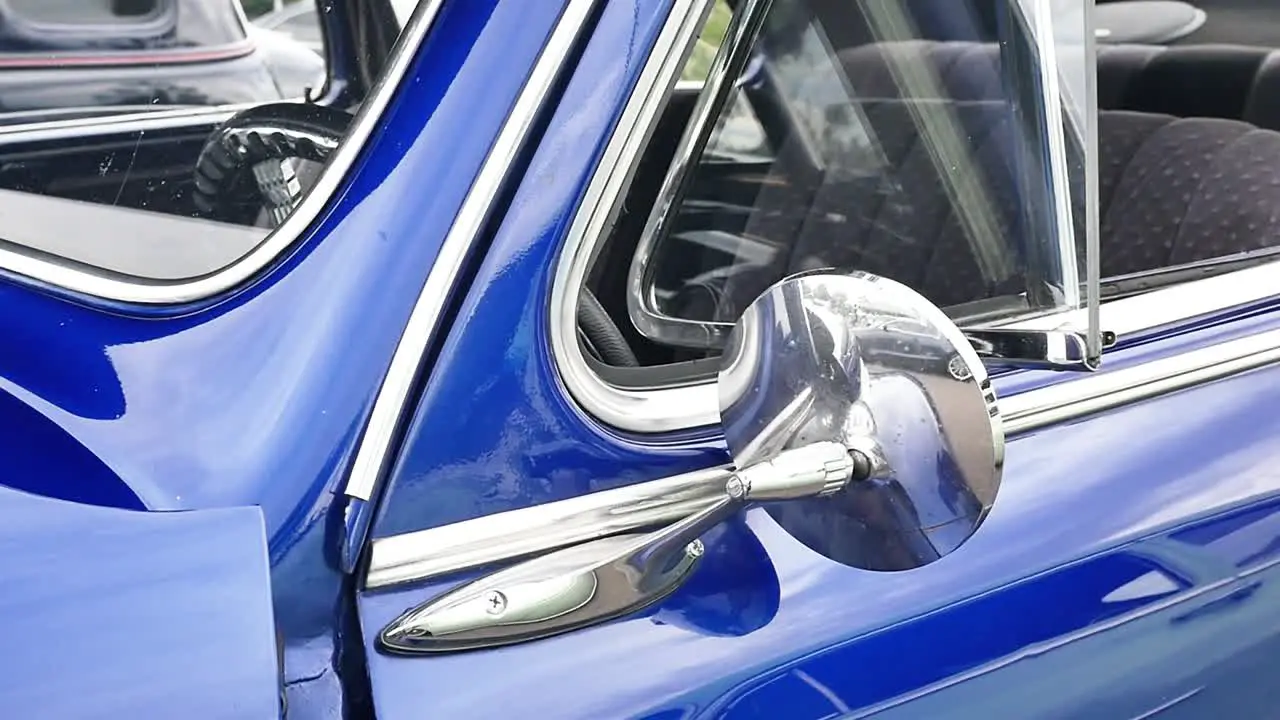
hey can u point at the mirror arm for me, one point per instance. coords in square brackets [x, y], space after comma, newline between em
[1062, 349]
[604, 579]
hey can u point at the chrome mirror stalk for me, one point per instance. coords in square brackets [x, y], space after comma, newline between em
[849, 403]
[604, 579]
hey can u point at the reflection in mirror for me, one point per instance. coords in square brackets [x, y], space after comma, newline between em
[869, 363]
[150, 120]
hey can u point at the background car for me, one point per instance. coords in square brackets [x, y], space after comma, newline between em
[85, 56]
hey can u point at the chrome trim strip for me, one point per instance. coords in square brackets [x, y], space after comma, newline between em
[1092, 197]
[145, 120]
[374, 453]
[1107, 390]
[156, 293]
[517, 533]
[427, 554]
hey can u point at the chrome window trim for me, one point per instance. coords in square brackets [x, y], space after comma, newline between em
[374, 453]
[431, 553]
[726, 66]
[141, 291]
[728, 63]
[646, 411]
[694, 405]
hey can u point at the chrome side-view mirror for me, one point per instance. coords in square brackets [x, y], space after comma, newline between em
[871, 365]
[858, 415]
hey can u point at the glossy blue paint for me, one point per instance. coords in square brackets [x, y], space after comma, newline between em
[258, 398]
[117, 613]
[1158, 555]
[1101, 585]
[513, 439]
[1106, 582]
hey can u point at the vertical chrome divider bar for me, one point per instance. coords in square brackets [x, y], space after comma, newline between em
[1092, 195]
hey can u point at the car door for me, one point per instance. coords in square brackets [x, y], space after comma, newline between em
[1123, 571]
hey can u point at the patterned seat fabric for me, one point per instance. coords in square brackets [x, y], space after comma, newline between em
[1172, 190]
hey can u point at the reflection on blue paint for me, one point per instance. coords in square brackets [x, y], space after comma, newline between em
[1173, 578]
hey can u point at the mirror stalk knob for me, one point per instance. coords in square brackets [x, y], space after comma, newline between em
[815, 470]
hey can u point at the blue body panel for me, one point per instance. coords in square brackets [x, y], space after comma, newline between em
[1097, 588]
[110, 613]
[1113, 578]
[258, 398]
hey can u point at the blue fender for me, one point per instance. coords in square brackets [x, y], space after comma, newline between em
[107, 612]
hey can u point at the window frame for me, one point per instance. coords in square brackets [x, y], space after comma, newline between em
[101, 284]
[670, 404]
[712, 103]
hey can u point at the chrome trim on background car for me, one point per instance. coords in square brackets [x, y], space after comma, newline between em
[426, 554]
[145, 119]
[140, 291]
[694, 404]
[375, 447]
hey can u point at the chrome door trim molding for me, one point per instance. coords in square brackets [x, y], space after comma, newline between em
[518, 533]
[427, 554]
[140, 291]
[374, 453]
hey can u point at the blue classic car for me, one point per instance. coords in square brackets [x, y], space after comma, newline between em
[654, 359]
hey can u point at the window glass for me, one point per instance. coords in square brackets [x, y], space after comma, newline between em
[709, 41]
[124, 127]
[884, 137]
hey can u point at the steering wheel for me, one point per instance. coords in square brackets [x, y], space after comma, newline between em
[249, 169]
[246, 174]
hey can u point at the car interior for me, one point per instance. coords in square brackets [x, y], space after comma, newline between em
[1189, 141]
[174, 192]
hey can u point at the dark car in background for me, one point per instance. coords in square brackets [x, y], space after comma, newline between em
[83, 57]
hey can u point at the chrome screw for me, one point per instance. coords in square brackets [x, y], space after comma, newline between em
[695, 549]
[495, 603]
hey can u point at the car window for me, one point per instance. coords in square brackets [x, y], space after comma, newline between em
[158, 140]
[844, 139]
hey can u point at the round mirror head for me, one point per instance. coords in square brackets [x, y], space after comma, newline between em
[868, 362]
